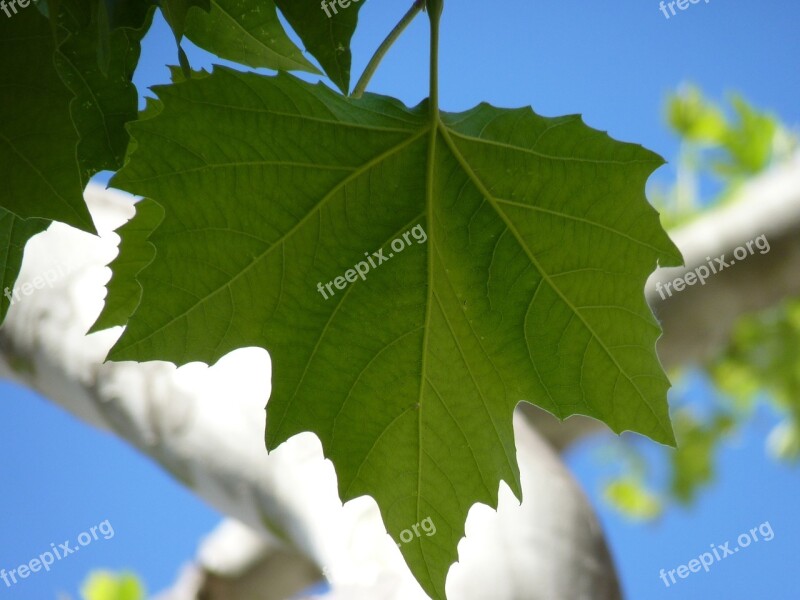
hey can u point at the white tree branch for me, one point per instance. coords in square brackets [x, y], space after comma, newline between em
[205, 426]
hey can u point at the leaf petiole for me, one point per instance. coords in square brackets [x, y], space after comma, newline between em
[376, 59]
[435, 8]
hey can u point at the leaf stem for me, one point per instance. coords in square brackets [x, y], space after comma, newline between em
[435, 8]
[372, 66]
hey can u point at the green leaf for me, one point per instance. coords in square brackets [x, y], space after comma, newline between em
[176, 12]
[135, 253]
[37, 138]
[693, 459]
[14, 234]
[633, 499]
[103, 103]
[103, 585]
[247, 32]
[749, 141]
[326, 37]
[762, 362]
[131, 14]
[746, 143]
[527, 245]
[695, 118]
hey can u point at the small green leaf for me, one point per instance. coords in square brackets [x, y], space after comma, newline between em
[130, 14]
[103, 585]
[326, 34]
[176, 12]
[693, 459]
[103, 103]
[14, 234]
[246, 32]
[695, 118]
[749, 141]
[37, 137]
[524, 246]
[630, 497]
[761, 363]
[135, 253]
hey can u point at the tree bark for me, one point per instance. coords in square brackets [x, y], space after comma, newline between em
[205, 426]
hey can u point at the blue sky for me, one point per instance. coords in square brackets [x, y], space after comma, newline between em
[612, 62]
